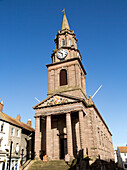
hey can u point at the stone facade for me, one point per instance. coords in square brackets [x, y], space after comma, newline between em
[67, 121]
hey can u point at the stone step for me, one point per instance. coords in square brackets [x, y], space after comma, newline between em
[53, 165]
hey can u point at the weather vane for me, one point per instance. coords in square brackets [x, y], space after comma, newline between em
[63, 10]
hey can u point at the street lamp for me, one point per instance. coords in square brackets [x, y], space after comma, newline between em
[10, 154]
[22, 157]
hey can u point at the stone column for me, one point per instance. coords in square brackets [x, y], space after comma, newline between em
[37, 138]
[69, 134]
[48, 137]
[81, 129]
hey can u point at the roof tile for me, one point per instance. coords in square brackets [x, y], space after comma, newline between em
[123, 149]
[13, 121]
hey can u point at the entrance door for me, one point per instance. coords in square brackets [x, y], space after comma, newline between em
[63, 148]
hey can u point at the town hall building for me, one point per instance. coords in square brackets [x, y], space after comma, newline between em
[67, 121]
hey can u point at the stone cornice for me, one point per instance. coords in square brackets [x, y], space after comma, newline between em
[66, 47]
[71, 89]
[64, 61]
[57, 112]
[62, 32]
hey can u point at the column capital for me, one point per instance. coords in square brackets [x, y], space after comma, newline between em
[81, 110]
[37, 116]
[69, 112]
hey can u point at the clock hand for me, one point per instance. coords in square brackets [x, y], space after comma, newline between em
[61, 53]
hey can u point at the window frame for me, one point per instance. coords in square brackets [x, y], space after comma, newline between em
[18, 133]
[12, 131]
[63, 42]
[70, 42]
[63, 77]
[2, 127]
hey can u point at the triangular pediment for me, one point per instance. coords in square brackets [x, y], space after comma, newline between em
[56, 99]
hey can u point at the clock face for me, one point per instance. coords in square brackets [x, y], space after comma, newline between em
[62, 54]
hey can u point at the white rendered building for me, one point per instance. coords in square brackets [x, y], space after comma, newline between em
[122, 157]
[20, 135]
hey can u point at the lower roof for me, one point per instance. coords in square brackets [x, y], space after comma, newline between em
[122, 149]
[15, 122]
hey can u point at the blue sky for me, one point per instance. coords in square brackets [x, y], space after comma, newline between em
[27, 32]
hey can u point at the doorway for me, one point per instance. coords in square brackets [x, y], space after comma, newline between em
[63, 148]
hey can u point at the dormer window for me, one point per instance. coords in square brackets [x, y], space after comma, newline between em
[69, 42]
[63, 42]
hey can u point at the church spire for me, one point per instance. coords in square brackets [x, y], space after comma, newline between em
[65, 24]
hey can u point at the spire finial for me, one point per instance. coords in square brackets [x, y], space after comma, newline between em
[65, 24]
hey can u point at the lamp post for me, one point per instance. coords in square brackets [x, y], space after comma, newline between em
[10, 155]
[22, 157]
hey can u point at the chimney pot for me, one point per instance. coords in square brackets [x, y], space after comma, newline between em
[29, 122]
[18, 118]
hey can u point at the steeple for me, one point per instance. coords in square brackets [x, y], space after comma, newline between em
[65, 24]
[66, 73]
[65, 37]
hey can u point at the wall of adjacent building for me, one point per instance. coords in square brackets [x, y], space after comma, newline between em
[4, 135]
[122, 158]
[16, 138]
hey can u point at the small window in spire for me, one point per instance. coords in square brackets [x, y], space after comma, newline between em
[63, 42]
[69, 42]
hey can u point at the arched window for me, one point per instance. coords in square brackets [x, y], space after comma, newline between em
[63, 42]
[63, 77]
[69, 42]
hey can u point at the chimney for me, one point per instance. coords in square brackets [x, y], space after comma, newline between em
[18, 118]
[1, 106]
[29, 122]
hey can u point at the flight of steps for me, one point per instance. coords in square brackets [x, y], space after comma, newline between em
[50, 165]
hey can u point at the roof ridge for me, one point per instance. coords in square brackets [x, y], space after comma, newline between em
[15, 121]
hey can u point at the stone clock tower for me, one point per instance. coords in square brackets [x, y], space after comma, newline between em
[67, 121]
[66, 74]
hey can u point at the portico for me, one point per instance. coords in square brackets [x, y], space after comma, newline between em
[60, 125]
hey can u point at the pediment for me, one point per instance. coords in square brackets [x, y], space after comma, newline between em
[56, 99]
